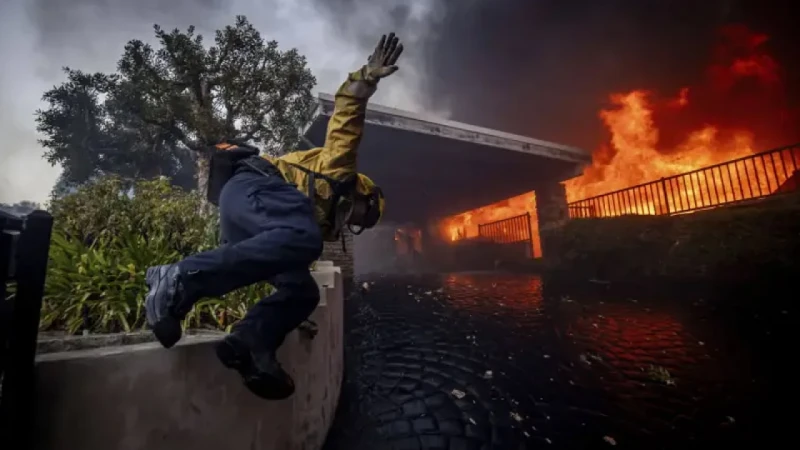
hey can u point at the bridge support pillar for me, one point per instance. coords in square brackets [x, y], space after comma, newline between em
[551, 210]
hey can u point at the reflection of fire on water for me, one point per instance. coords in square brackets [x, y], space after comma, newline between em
[517, 295]
[630, 340]
[708, 124]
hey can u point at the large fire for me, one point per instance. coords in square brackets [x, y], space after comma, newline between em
[465, 225]
[736, 110]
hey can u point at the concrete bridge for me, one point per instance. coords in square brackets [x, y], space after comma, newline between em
[432, 168]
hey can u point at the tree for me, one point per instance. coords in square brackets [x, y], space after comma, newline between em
[163, 107]
[89, 138]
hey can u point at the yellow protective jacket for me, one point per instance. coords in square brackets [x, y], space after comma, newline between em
[336, 159]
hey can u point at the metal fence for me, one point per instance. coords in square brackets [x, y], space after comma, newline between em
[748, 178]
[24, 248]
[508, 231]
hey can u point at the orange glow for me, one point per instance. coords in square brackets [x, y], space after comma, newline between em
[629, 339]
[636, 158]
[702, 135]
[739, 108]
[520, 295]
[465, 225]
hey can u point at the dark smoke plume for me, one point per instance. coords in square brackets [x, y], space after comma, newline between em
[545, 67]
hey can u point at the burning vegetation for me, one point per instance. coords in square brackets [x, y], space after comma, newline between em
[739, 108]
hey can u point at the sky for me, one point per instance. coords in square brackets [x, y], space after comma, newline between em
[541, 68]
[39, 37]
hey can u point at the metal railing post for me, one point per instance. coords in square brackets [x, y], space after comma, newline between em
[663, 185]
[635, 201]
[17, 399]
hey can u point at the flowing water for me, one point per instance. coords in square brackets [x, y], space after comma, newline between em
[507, 361]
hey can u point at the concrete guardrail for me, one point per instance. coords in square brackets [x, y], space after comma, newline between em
[141, 396]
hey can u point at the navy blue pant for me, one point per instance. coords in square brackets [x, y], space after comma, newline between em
[269, 233]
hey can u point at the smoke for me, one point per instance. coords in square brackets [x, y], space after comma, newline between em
[39, 37]
[542, 68]
[545, 68]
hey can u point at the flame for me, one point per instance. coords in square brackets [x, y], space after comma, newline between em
[738, 108]
[634, 156]
[742, 77]
[465, 225]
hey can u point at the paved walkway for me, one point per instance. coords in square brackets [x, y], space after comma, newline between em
[488, 361]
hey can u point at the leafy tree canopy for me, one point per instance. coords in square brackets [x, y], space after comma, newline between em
[166, 103]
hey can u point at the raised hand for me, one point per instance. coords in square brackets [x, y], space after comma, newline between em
[383, 60]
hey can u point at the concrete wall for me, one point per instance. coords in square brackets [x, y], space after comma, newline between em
[551, 212]
[734, 244]
[143, 397]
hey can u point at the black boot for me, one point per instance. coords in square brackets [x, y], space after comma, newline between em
[166, 304]
[260, 370]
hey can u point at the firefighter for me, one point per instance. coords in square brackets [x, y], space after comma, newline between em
[275, 214]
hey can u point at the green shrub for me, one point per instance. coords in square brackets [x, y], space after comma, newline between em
[104, 240]
[104, 281]
[112, 207]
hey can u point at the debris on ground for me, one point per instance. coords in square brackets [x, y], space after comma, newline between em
[661, 375]
[488, 375]
[611, 441]
[516, 416]
[458, 394]
[365, 286]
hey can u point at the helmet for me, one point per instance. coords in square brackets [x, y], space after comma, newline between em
[364, 208]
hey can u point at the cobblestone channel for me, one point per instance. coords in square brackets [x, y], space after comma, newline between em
[494, 361]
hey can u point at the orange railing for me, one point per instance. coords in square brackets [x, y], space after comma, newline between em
[508, 231]
[748, 178]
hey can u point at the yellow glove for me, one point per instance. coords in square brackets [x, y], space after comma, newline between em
[380, 64]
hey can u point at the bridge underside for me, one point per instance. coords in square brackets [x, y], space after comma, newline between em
[431, 168]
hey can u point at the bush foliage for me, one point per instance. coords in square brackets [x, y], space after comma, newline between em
[745, 243]
[105, 237]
